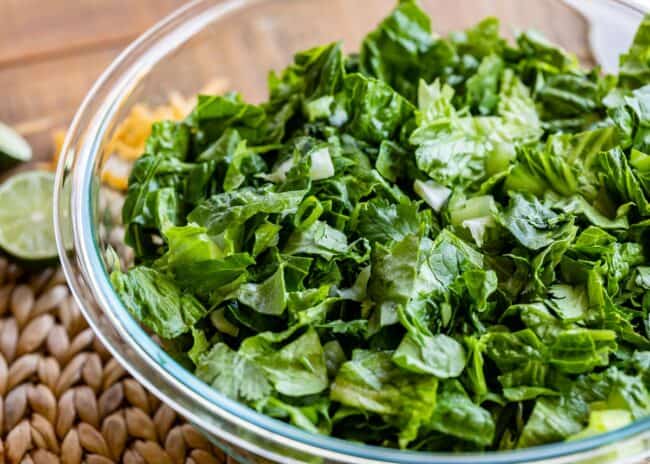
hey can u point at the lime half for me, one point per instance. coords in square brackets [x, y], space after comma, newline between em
[13, 148]
[26, 216]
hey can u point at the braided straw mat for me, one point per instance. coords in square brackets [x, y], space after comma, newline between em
[64, 399]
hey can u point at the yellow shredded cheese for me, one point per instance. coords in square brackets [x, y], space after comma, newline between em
[115, 173]
[129, 138]
[58, 137]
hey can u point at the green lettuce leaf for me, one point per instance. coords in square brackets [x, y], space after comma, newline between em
[371, 382]
[156, 301]
[634, 69]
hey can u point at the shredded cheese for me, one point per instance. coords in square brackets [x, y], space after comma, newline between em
[129, 138]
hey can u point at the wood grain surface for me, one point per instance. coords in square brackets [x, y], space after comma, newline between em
[51, 51]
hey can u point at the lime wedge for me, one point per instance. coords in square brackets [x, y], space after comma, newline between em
[13, 148]
[26, 216]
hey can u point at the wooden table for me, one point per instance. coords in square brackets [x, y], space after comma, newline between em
[51, 51]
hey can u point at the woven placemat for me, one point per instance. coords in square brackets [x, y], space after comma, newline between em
[64, 399]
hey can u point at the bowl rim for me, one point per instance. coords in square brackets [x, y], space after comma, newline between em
[86, 274]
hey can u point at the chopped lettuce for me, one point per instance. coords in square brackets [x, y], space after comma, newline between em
[439, 243]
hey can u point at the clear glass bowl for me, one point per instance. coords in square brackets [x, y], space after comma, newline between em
[240, 40]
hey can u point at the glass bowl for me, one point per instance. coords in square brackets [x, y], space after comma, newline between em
[240, 40]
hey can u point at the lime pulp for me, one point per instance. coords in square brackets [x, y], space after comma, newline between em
[26, 216]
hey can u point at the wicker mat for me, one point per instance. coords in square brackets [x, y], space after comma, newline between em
[65, 399]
